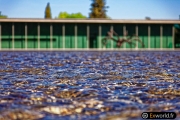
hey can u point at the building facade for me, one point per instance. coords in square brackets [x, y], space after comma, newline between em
[57, 34]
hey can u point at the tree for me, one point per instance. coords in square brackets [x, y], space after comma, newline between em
[77, 15]
[73, 15]
[63, 15]
[98, 9]
[48, 11]
[2, 16]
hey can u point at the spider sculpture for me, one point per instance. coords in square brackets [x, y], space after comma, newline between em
[119, 41]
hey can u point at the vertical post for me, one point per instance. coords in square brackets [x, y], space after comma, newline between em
[173, 38]
[26, 36]
[161, 36]
[112, 36]
[137, 32]
[51, 34]
[13, 36]
[100, 32]
[124, 31]
[149, 36]
[75, 34]
[88, 40]
[0, 37]
[38, 36]
[63, 33]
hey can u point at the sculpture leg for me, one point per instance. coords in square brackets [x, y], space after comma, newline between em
[137, 39]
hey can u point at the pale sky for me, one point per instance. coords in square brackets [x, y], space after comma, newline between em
[118, 9]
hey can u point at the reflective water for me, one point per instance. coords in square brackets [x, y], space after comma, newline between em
[88, 85]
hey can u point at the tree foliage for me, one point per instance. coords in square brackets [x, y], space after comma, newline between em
[48, 11]
[2, 16]
[73, 15]
[98, 9]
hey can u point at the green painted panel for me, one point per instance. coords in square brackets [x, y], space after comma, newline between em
[167, 42]
[19, 37]
[44, 43]
[85, 42]
[164, 42]
[58, 42]
[69, 36]
[32, 29]
[131, 28]
[152, 42]
[19, 29]
[106, 28]
[144, 40]
[44, 35]
[6, 37]
[32, 38]
[19, 43]
[6, 43]
[67, 41]
[158, 42]
[95, 43]
[167, 36]
[94, 33]
[57, 33]
[82, 42]
[170, 43]
[6, 29]
[44, 29]
[143, 35]
[82, 35]
[155, 36]
[155, 42]
[98, 42]
[118, 28]
[32, 43]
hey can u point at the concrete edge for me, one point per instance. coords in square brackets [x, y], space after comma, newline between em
[74, 50]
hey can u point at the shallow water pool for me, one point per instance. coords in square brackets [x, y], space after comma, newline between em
[88, 85]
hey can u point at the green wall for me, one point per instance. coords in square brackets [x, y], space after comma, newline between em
[6, 35]
[131, 28]
[94, 38]
[167, 36]
[32, 35]
[155, 36]
[118, 28]
[105, 28]
[57, 35]
[82, 35]
[82, 39]
[143, 35]
[19, 35]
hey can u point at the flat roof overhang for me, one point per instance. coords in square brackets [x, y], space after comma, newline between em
[126, 21]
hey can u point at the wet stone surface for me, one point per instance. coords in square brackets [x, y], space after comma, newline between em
[88, 85]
